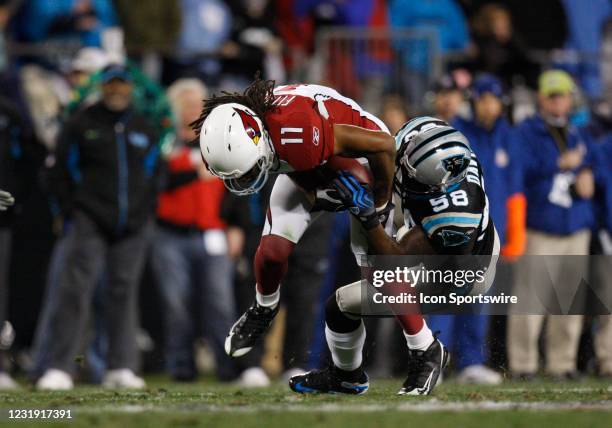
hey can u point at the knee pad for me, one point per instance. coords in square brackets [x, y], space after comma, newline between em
[349, 299]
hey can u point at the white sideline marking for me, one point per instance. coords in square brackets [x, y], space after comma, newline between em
[420, 407]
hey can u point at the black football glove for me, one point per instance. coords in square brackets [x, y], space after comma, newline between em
[357, 198]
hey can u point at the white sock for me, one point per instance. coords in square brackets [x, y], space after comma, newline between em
[420, 341]
[346, 348]
[267, 300]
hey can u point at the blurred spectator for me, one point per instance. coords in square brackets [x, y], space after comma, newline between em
[356, 67]
[11, 151]
[206, 26]
[150, 29]
[496, 145]
[442, 19]
[606, 63]
[82, 21]
[559, 185]
[601, 243]
[542, 25]
[498, 50]
[298, 34]
[149, 25]
[104, 179]
[48, 93]
[191, 255]
[394, 113]
[51, 103]
[447, 98]
[148, 99]
[586, 28]
[254, 44]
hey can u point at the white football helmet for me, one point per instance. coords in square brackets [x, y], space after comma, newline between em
[236, 148]
[431, 156]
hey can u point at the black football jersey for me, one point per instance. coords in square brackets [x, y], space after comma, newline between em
[455, 219]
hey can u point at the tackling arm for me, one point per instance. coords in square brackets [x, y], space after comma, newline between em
[413, 243]
[378, 147]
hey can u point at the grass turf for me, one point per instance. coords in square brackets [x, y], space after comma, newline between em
[585, 404]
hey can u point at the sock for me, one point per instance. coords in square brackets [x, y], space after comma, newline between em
[346, 348]
[420, 341]
[267, 300]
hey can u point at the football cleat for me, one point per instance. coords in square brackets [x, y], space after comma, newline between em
[249, 328]
[331, 380]
[425, 368]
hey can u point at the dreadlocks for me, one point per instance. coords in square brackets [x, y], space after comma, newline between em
[257, 96]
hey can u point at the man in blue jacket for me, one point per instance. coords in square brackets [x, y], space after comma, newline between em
[559, 186]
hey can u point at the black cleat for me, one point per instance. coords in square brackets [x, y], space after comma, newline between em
[425, 368]
[249, 328]
[331, 380]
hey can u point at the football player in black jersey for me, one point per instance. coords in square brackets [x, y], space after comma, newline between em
[440, 188]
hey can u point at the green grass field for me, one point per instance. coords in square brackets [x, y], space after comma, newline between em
[539, 404]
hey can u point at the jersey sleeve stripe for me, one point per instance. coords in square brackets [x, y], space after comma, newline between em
[432, 223]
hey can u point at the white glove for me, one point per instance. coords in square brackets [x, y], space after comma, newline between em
[6, 200]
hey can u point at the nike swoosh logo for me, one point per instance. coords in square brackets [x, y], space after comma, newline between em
[301, 388]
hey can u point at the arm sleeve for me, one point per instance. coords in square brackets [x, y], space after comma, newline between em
[452, 232]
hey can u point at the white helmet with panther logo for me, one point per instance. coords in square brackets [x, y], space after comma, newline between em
[431, 156]
[236, 148]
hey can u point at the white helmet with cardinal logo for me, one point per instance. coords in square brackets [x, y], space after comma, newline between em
[236, 148]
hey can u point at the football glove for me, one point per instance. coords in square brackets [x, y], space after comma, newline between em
[357, 198]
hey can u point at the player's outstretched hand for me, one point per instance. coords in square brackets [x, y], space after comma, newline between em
[357, 198]
[6, 200]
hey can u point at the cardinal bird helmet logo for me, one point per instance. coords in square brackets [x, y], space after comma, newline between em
[250, 125]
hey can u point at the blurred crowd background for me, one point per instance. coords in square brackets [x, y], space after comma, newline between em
[123, 255]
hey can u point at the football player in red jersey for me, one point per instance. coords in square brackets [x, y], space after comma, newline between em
[292, 131]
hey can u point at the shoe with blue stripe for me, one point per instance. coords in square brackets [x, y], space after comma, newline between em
[331, 380]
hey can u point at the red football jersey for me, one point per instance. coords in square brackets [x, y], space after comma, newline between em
[301, 127]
